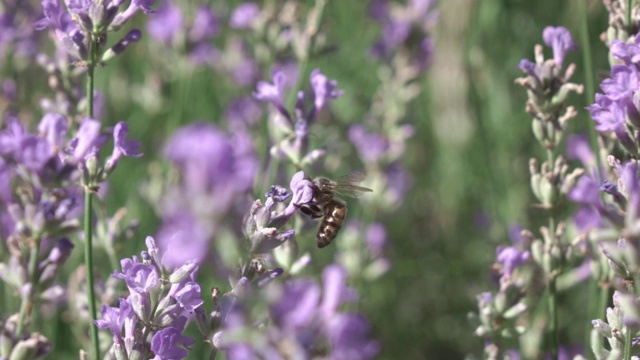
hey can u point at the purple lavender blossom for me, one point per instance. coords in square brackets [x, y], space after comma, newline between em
[141, 278]
[273, 93]
[114, 319]
[400, 24]
[183, 239]
[560, 41]
[323, 89]
[370, 146]
[122, 146]
[88, 141]
[304, 316]
[169, 27]
[216, 169]
[170, 344]
[243, 16]
[166, 23]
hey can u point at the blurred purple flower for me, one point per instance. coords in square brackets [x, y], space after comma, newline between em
[242, 114]
[370, 146]
[181, 239]
[170, 344]
[243, 15]
[166, 23]
[402, 23]
[206, 25]
[212, 161]
[560, 41]
[323, 89]
[349, 338]
[115, 318]
[54, 127]
[578, 148]
[273, 93]
[121, 146]
[88, 140]
[511, 258]
[376, 238]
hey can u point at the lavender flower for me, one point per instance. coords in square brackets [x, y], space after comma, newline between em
[401, 23]
[168, 25]
[169, 344]
[304, 316]
[548, 88]
[244, 15]
[83, 21]
[164, 325]
[216, 169]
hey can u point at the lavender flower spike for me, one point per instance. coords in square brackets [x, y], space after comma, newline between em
[88, 139]
[114, 319]
[169, 344]
[560, 41]
[323, 89]
[122, 146]
[273, 93]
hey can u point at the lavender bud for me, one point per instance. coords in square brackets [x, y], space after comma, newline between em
[202, 322]
[515, 311]
[183, 272]
[6, 342]
[120, 351]
[141, 304]
[136, 352]
[34, 347]
[132, 36]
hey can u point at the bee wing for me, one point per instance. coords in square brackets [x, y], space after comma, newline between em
[355, 177]
[346, 185]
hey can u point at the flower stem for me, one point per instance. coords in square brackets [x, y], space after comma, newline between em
[27, 299]
[88, 200]
[553, 300]
[627, 16]
[587, 64]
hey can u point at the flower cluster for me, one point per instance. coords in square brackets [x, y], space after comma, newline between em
[168, 26]
[215, 173]
[293, 144]
[405, 30]
[617, 108]
[305, 321]
[17, 35]
[263, 225]
[548, 88]
[151, 319]
[83, 21]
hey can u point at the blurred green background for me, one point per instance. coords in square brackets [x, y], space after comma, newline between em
[468, 159]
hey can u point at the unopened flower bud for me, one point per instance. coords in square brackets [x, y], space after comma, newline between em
[120, 351]
[34, 347]
[141, 304]
[202, 322]
[183, 272]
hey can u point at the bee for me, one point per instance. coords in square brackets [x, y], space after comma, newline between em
[332, 210]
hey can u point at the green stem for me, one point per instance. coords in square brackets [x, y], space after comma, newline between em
[597, 310]
[628, 332]
[88, 200]
[585, 45]
[88, 260]
[627, 16]
[552, 296]
[553, 314]
[27, 299]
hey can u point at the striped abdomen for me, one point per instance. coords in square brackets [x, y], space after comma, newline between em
[334, 214]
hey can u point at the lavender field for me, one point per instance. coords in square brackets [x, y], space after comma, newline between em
[319, 179]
